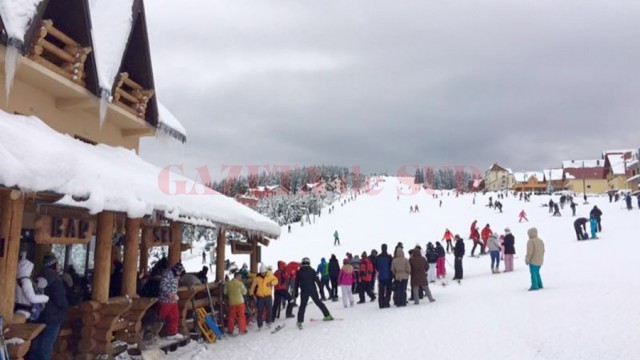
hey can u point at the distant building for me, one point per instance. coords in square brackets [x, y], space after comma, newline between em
[249, 201]
[318, 188]
[585, 176]
[498, 178]
[529, 181]
[262, 192]
[616, 171]
[555, 179]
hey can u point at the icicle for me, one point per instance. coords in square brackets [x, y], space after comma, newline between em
[104, 102]
[12, 55]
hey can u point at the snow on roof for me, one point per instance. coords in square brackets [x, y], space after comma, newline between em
[553, 174]
[573, 164]
[17, 15]
[633, 164]
[524, 176]
[111, 21]
[620, 151]
[170, 125]
[617, 163]
[636, 177]
[37, 158]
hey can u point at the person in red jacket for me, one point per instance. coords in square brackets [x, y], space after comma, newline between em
[486, 232]
[282, 292]
[523, 215]
[448, 237]
[475, 236]
[365, 274]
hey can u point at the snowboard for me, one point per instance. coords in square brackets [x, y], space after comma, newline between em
[278, 328]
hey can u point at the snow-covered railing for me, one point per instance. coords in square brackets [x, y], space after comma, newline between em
[132, 96]
[59, 53]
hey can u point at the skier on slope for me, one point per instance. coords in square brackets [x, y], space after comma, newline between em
[336, 239]
[448, 238]
[523, 215]
[308, 283]
[441, 271]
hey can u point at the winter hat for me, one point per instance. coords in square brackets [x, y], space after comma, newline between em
[178, 268]
[507, 230]
[263, 268]
[49, 260]
[305, 261]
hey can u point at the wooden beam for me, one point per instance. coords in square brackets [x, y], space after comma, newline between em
[11, 213]
[130, 264]
[220, 254]
[147, 235]
[253, 264]
[175, 248]
[85, 103]
[135, 132]
[102, 260]
[53, 31]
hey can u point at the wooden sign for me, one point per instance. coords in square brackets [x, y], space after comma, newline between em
[263, 240]
[65, 231]
[239, 247]
[160, 236]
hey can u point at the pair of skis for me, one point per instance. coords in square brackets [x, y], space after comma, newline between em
[4, 354]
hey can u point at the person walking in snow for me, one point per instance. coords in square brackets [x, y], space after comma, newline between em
[441, 270]
[458, 253]
[448, 238]
[597, 213]
[432, 259]
[204, 257]
[475, 236]
[262, 288]
[334, 272]
[346, 279]
[573, 208]
[308, 283]
[401, 270]
[627, 199]
[556, 210]
[494, 251]
[550, 206]
[535, 258]
[281, 292]
[365, 275]
[235, 291]
[323, 271]
[523, 216]
[509, 250]
[385, 280]
[336, 239]
[419, 267]
[486, 232]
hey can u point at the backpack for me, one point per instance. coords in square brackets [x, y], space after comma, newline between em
[36, 309]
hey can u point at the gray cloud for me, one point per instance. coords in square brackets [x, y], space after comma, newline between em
[379, 84]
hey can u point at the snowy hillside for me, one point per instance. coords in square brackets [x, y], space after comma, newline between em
[587, 310]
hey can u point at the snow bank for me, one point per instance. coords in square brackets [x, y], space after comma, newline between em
[34, 157]
[17, 16]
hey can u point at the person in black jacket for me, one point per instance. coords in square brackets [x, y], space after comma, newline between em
[334, 271]
[373, 257]
[53, 315]
[580, 226]
[307, 281]
[509, 250]
[458, 252]
[597, 213]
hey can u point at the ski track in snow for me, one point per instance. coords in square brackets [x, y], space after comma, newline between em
[587, 310]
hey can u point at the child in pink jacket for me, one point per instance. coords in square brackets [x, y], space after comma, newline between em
[346, 279]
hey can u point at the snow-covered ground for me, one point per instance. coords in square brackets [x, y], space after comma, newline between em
[587, 310]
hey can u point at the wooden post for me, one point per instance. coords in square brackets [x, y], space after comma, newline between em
[102, 260]
[147, 235]
[259, 254]
[130, 265]
[175, 247]
[220, 254]
[253, 263]
[11, 212]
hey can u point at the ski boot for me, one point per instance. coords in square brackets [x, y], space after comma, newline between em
[299, 325]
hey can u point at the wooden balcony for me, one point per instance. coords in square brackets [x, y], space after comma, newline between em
[131, 96]
[59, 53]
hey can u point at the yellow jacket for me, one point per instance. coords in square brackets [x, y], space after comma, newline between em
[235, 289]
[262, 286]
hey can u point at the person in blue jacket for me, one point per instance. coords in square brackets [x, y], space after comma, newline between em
[594, 226]
[383, 268]
[323, 271]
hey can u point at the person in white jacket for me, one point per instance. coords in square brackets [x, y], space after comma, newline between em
[25, 293]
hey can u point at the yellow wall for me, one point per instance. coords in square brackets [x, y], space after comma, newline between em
[618, 182]
[594, 186]
[498, 181]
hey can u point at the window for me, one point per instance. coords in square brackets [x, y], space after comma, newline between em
[588, 186]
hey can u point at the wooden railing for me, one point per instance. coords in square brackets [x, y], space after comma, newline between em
[131, 96]
[59, 53]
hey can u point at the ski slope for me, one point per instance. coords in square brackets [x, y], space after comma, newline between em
[587, 310]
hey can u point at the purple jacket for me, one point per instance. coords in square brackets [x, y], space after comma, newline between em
[346, 278]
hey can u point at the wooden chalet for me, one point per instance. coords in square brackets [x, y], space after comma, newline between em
[498, 178]
[616, 170]
[62, 194]
[530, 181]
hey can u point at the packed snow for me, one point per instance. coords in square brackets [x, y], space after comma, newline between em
[114, 179]
[587, 309]
[167, 119]
[17, 16]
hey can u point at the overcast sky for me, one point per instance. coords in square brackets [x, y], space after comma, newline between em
[382, 84]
